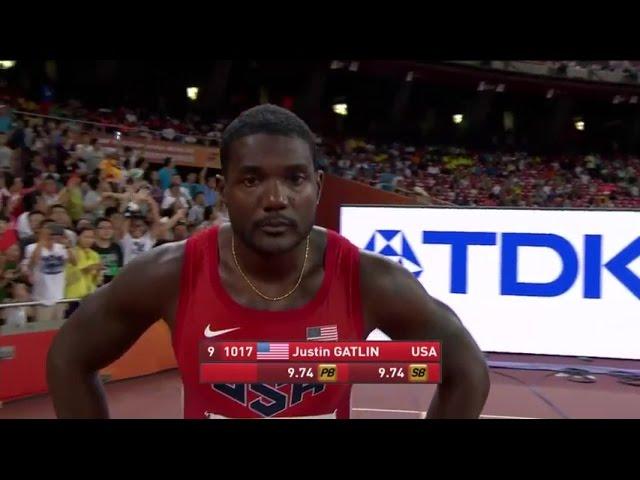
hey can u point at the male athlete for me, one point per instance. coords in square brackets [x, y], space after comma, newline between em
[270, 275]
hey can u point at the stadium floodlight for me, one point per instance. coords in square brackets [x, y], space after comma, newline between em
[7, 64]
[457, 118]
[192, 93]
[341, 109]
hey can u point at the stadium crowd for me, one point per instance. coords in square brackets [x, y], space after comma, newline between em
[451, 175]
[72, 213]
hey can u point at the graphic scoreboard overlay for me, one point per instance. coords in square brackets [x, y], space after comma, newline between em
[320, 362]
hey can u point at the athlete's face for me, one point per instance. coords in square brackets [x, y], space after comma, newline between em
[271, 191]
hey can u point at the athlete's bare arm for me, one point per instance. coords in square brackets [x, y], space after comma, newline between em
[396, 303]
[106, 325]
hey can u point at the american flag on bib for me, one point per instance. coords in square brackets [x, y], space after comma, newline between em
[328, 333]
[272, 351]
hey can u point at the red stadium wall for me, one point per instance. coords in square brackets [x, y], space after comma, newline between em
[338, 191]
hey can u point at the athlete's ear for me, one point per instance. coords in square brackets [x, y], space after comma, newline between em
[220, 184]
[319, 183]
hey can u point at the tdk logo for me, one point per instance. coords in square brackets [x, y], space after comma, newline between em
[392, 243]
[592, 264]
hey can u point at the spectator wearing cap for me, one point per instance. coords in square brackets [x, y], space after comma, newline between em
[140, 233]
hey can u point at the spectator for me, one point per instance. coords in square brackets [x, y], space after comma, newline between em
[173, 229]
[117, 219]
[5, 119]
[166, 172]
[128, 158]
[152, 177]
[92, 198]
[83, 276]
[220, 212]
[175, 195]
[50, 191]
[45, 263]
[10, 270]
[138, 237]
[58, 213]
[138, 169]
[192, 185]
[209, 187]
[17, 317]
[110, 252]
[180, 231]
[196, 213]
[36, 219]
[208, 218]
[6, 154]
[92, 154]
[139, 233]
[71, 198]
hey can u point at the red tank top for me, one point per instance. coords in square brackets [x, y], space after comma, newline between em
[204, 305]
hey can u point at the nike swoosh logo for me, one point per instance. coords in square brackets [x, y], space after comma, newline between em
[214, 333]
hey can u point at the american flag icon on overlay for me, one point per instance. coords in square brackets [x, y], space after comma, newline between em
[328, 333]
[272, 351]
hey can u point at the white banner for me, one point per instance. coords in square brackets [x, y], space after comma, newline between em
[557, 282]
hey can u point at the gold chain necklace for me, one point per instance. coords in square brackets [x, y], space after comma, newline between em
[273, 299]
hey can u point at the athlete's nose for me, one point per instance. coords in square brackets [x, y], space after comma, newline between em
[275, 196]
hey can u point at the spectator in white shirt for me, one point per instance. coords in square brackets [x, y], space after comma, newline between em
[175, 195]
[139, 234]
[45, 263]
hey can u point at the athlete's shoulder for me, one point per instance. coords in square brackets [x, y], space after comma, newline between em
[380, 275]
[162, 263]
[146, 289]
[336, 238]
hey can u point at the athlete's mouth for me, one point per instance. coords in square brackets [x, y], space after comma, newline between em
[275, 228]
[275, 224]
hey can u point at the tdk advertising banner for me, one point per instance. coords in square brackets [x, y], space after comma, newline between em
[557, 282]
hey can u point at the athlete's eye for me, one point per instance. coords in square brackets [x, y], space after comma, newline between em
[250, 181]
[297, 178]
